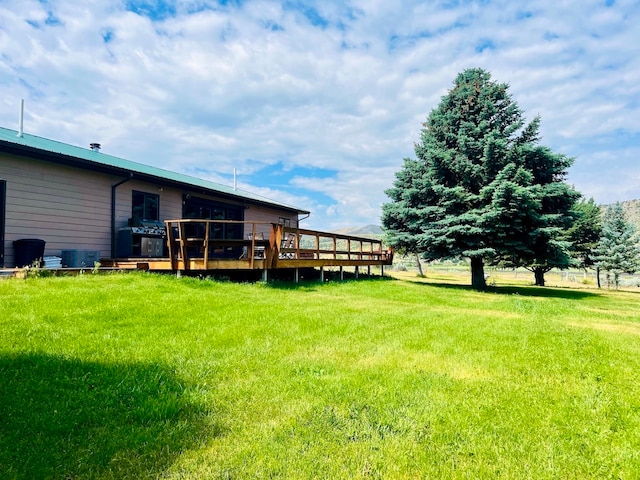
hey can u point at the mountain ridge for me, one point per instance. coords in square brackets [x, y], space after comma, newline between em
[631, 210]
[361, 231]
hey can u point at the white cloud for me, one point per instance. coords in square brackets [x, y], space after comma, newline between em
[261, 85]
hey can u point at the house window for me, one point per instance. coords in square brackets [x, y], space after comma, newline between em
[284, 221]
[145, 206]
[194, 207]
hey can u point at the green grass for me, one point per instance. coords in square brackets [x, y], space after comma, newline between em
[145, 376]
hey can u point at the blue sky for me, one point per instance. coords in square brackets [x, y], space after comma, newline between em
[315, 104]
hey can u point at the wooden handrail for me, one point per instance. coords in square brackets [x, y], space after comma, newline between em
[275, 248]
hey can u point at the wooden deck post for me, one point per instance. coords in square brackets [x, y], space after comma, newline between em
[251, 250]
[356, 272]
[275, 241]
[207, 226]
[171, 246]
[297, 276]
[341, 273]
[183, 245]
[322, 274]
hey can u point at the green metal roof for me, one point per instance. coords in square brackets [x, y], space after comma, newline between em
[86, 158]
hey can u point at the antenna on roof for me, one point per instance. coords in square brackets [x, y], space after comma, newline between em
[21, 120]
[235, 180]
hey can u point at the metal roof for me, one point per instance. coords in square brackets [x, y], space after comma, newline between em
[94, 160]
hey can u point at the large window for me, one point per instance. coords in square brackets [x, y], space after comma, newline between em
[194, 207]
[145, 206]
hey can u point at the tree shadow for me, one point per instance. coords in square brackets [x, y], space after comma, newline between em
[524, 291]
[545, 292]
[67, 418]
[311, 285]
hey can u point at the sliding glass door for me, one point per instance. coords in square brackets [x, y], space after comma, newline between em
[194, 207]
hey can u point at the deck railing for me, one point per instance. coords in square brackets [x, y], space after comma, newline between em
[301, 243]
[267, 245]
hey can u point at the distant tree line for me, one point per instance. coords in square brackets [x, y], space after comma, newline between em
[483, 188]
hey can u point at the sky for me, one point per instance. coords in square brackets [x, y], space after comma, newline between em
[315, 104]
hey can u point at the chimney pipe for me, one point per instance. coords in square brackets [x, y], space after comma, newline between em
[21, 122]
[95, 147]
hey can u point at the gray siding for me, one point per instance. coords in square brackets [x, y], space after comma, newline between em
[66, 207]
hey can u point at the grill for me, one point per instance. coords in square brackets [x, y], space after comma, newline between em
[146, 238]
[149, 228]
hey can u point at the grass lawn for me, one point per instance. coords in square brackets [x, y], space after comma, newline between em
[147, 376]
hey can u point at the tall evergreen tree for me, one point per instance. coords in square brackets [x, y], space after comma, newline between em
[480, 187]
[617, 252]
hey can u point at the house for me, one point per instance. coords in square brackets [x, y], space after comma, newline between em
[80, 199]
[85, 206]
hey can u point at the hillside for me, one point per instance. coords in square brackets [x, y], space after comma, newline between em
[368, 231]
[632, 211]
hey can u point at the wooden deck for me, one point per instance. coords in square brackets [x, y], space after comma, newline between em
[196, 245]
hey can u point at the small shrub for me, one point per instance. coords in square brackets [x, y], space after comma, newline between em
[35, 271]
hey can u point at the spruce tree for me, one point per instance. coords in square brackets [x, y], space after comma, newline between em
[584, 234]
[617, 252]
[481, 187]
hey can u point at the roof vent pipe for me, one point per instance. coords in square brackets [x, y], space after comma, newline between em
[21, 121]
[95, 147]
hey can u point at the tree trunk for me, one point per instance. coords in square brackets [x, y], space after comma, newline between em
[477, 273]
[598, 276]
[419, 266]
[538, 274]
